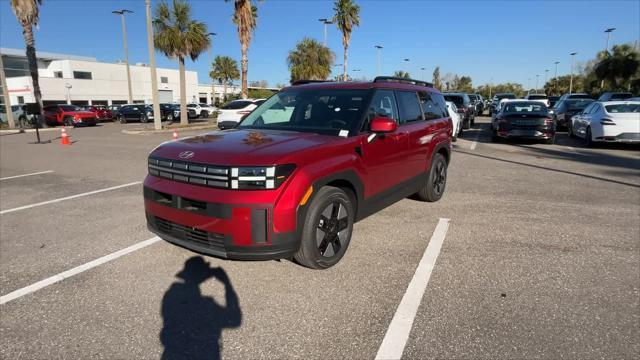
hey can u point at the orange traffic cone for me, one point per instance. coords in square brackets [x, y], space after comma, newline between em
[65, 137]
[175, 135]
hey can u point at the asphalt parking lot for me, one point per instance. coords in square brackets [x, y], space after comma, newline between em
[539, 258]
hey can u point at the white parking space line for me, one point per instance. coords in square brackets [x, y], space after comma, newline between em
[68, 197]
[75, 271]
[19, 176]
[473, 145]
[397, 334]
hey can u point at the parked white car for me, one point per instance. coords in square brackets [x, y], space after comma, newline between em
[456, 119]
[230, 114]
[538, 97]
[203, 110]
[609, 121]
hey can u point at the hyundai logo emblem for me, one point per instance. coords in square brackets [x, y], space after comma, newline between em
[186, 155]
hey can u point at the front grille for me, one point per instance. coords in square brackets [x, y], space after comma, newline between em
[188, 233]
[198, 174]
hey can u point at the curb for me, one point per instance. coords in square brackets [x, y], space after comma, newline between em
[168, 130]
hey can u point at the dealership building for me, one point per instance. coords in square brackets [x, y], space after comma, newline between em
[82, 80]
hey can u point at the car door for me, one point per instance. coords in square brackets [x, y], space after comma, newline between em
[50, 114]
[580, 120]
[132, 112]
[383, 155]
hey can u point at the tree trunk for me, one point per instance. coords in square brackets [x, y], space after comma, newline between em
[245, 70]
[184, 115]
[27, 31]
[345, 76]
[224, 93]
[5, 96]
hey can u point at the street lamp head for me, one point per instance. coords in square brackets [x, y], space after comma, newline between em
[377, 46]
[325, 21]
[212, 34]
[609, 30]
[406, 60]
[122, 12]
[557, 62]
[573, 53]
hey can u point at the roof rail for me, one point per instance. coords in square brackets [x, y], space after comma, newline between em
[302, 82]
[402, 80]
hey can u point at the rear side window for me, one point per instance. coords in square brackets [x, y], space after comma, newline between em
[383, 104]
[439, 99]
[456, 99]
[430, 107]
[623, 108]
[409, 106]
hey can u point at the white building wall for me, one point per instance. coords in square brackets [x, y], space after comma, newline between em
[108, 82]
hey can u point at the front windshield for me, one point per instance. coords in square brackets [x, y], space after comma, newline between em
[71, 108]
[327, 111]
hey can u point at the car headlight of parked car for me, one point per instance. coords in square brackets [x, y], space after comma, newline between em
[259, 177]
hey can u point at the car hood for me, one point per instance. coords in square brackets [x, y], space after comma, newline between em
[240, 147]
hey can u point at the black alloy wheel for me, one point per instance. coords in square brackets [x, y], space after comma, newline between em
[436, 180]
[144, 118]
[327, 229]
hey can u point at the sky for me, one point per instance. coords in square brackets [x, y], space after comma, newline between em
[491, 41]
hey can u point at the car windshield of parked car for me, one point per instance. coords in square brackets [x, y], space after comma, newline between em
[326, 111]
[238, 104]
[578, 104]
[71, 108]
[458, 100]
[623, 108]
[524, 107]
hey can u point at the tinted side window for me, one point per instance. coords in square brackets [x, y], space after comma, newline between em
[383, 104]
[439, 99]
[430, 107]
[588, 109]
[409, 106]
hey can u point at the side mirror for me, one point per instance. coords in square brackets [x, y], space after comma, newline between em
[383, 125]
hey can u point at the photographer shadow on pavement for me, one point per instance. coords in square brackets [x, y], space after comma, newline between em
[193, 323]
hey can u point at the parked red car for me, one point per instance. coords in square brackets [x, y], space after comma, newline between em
[68, 115]
[292, 178]
[101, 112]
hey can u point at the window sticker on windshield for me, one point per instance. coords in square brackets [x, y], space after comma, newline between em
[343, 133]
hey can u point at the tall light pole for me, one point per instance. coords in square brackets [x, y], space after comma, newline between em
[157, 115]
[126, 51]
[407, 61]
[573, 57]
[528, 85]
[537, 78]
[608, 31]
[546, 75]
[555, 77]
[423, 69]
[5, 96]
[213, 87]
[68, 87]
[378, 50]
[325, 22]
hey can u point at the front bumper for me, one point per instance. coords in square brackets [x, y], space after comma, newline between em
[238, 229]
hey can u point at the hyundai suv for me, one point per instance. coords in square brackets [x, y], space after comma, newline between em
[295, 174]
[68, 115]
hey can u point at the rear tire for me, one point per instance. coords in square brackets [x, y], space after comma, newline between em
[327, 229]
[144, 119]
[204, 114]
[122, 119]
[67, 121]
[436, 180]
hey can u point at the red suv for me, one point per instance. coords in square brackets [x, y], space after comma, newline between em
[292, 178]
[68, 115]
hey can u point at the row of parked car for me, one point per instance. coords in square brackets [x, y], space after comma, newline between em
[614, 117]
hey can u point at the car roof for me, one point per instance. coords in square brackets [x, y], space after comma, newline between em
[362, 85]
[618, 102]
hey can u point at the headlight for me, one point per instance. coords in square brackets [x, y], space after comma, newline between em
[259, 177]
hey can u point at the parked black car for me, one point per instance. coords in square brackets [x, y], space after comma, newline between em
[496, 101]
[466, 109]
[611, 96]
[565, 109]
[136, 112]
[173, 112]
[524, 120]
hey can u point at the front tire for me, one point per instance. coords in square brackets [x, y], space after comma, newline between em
[144, 119]
[204, 114]
[436, 180]
[327, 229]
[122, 119]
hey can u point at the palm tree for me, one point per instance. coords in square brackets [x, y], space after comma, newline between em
[224, 69]
[310, 60]
[347, 15]
[28, 13]
[244, 17]
[402, 74]
[178, 36]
